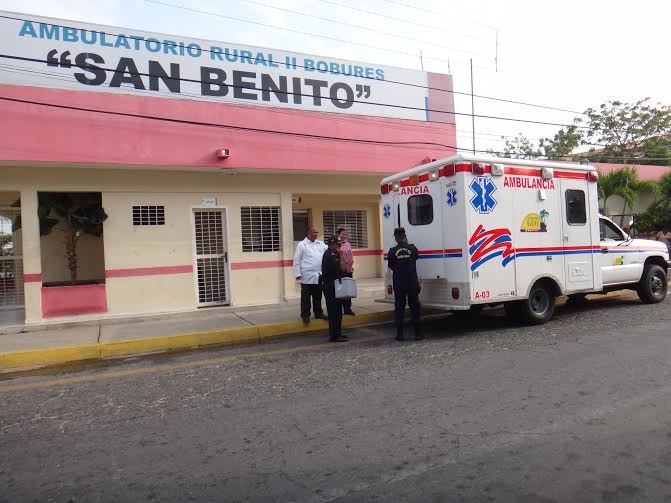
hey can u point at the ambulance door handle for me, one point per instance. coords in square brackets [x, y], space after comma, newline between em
[565, 237]
[604, 250]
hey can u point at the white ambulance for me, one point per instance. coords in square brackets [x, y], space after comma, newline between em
[520, 233]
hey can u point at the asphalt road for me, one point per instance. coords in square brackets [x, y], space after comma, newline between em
[575, 410]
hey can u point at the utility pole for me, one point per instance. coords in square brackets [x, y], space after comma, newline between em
[472, 106]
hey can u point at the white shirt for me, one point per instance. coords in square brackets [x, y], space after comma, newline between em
[308, 261]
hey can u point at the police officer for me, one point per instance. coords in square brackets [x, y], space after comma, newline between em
[330, 273]
[402, 260]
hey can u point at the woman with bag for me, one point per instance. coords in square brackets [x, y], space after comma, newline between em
[330, 273]
[346, 266]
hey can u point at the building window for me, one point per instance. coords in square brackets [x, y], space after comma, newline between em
[260, 228]
[148, 215]
[353, 221]
[420, 210]
[576, 211]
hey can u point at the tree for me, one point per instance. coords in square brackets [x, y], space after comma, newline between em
[628, 131]
[520, 148]
[78, 213]
[624, 182]
[562, 144]
[659, 214]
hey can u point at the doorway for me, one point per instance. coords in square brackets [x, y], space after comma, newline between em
[211, 256]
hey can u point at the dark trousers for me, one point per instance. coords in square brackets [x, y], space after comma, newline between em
[334, 309]
[346, 303]
[400, 295]
[313, 292]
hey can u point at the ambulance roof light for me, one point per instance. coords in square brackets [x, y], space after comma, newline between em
[433, 175]
[397, 186]
[478, 168]
[547, 173]
[592, 176]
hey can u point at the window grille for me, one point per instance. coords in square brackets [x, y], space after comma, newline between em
[260, 228]
[353, 221]
[148, 215]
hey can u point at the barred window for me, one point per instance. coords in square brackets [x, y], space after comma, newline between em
[353, 221]
[148, 215]
[260, 228]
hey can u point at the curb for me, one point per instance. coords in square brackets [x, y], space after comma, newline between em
[256, 334]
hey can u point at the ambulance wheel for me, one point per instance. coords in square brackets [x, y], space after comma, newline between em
[653, 285]
[540, 305]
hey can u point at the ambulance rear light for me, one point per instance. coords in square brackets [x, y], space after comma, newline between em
[434, 175]
[592, 176]
[478, 168]
[455, 293]
[413, 180]
[384, 188]
[396, 186]
[448, 170]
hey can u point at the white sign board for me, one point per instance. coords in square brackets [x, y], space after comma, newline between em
[62, 54]
[208, 202]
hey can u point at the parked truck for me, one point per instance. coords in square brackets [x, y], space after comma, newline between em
[520, 233]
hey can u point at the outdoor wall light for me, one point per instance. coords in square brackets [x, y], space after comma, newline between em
[223, 153]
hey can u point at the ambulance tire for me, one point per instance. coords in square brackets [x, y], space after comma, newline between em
[653, 285]
[540, 305]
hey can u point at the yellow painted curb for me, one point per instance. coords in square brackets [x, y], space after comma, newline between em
[48, 356]
[115, 349]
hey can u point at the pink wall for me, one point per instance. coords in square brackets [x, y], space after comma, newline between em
[645, 172]
[30, 133]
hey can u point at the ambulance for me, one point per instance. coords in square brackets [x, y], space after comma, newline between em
[521, 233]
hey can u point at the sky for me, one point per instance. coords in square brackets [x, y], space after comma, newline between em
[570, 55]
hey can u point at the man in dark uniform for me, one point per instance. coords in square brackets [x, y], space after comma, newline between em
[402, 260]
[330, 273]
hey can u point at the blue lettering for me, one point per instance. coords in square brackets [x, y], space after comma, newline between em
[27, 29]
[347, 70]
[369, 73]
[122, 41]
[152, 45]
[379, 74]
[137, 41]
[70, 34]
[322, 67]
[309, 65]
[335, 68]
[260, 59]
[215, 53]
[103, 40]
[170, 46]
[246, 57]
[48, 31]
[231, 58]
[194, 50]
[92, 37]
[271, 63]
[358, 71]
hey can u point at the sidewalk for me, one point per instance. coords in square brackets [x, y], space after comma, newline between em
[211, 327]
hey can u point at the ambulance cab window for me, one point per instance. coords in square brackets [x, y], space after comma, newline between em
[576, 211]
[420, 209]
[609, 232]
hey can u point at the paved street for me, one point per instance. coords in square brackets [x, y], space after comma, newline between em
[575, 410]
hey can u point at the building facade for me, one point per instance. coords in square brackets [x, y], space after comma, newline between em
[209, 160]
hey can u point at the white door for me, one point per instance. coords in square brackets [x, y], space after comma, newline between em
[211, 252]
[619, 263]
[577, 235]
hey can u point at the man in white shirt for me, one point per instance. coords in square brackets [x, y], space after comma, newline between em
[307, 268]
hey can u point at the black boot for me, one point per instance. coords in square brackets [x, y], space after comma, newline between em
[418, 331]
[399, 333]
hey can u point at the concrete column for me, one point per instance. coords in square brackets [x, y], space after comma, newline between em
[382, 266]
[286, 210]
[32, 258]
